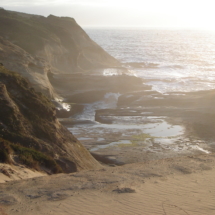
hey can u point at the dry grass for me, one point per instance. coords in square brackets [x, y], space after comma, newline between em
[5, 172]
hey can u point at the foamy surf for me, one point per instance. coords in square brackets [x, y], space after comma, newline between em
[109, 101]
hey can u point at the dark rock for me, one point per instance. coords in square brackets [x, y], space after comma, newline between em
[58, 196]
[182, 169]
[124, 190]
[100, 116]
[7, 200]
[87, 96]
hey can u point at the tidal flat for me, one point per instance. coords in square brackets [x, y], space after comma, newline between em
[142, 127]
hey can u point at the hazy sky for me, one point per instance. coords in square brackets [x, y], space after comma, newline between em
[146, 13]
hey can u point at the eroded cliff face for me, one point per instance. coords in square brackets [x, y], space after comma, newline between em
[35, 69]
[35, 45]
[30, 131]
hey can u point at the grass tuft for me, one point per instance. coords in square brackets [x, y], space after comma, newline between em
[28, 156]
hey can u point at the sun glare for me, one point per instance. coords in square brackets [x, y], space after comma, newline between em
[126, 13]
[185, 13]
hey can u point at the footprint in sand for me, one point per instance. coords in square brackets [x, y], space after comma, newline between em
[7, 200]
[170, 209]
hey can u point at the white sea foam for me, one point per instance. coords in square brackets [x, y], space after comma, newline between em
[114, 71]
[109, 101]
[66, 106]
[61, 105]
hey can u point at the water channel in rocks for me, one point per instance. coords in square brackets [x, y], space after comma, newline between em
[170, 61]
[133, 138]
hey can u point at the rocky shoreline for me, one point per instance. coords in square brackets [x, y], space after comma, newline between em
[147, 152]
[183, 122]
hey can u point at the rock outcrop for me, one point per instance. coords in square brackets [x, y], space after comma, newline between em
[30, 131]
[82, 88]
[36, 44]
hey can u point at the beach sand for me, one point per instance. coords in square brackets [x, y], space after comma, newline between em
[182, 185]
[17, 172]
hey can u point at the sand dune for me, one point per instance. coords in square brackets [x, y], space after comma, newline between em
[171, 186]
[17, 172]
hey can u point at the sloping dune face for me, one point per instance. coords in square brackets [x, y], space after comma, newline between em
[52, 44]
[30, 132]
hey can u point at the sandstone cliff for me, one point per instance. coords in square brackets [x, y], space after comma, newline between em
[30, 132]
[39, 45]
[33, 68]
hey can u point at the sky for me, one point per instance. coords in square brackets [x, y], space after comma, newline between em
[124, 13]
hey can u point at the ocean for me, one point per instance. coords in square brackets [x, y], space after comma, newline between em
[169, 60]
[175, 61]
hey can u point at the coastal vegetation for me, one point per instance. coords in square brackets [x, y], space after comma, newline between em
[11, 153]
[30, 130]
